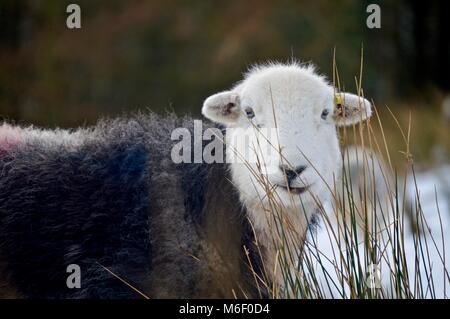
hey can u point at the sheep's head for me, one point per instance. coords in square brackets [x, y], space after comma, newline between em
[281, 133]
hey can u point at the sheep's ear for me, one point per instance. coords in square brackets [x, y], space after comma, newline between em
[223, 107]
[350, 109]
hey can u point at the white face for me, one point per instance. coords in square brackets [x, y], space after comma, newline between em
[281, 120]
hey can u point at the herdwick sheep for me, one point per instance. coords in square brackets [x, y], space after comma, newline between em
[112, 197]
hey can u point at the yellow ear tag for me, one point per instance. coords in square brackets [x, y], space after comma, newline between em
[338, 99]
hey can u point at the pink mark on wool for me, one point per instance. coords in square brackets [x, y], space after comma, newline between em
[10, 137]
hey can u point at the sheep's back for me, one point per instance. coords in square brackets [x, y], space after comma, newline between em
[87, 205]
[110, 196]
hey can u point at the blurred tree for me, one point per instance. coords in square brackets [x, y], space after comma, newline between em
[13, 16]
[171, 54]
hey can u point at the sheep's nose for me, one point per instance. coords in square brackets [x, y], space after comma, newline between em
[292, 172]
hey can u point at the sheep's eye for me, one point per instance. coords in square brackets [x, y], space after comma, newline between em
[249, 112]
[324, 114]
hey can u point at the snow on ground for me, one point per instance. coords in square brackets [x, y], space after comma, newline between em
[431, 265]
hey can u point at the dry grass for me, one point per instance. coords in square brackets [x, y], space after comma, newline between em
[371, 223]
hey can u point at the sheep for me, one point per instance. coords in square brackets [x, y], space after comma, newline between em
[112, 197]
[305, 161]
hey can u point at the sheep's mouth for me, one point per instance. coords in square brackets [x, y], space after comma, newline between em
[294, 190]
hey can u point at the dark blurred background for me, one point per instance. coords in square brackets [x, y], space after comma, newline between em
[172, 54]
